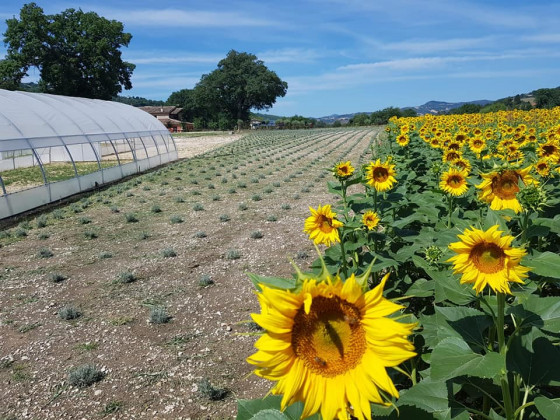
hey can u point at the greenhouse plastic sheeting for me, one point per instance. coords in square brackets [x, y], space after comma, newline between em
[25, 115]
[40, 130]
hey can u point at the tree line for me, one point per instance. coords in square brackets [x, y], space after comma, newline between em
[380, 117]
[541, 98]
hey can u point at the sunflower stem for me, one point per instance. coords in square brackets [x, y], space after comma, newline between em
[375, 200]
[450, 210]
[485, 404]
[343, 256]
[491, 338]
[521, 409]
[516, 383]
[500, 323]
[524, 222]
[507, 398]
[506, 392]
[344, 202]
[414, 368]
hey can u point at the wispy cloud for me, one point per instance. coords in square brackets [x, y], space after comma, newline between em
[291, 55]
[408, 64]
[172, 83]
[424, 13]
[187, 18]
[545, 38]
[177, 58]
[437, 45]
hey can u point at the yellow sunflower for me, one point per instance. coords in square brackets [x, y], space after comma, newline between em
[477, 145]
[322, 226]
[403, 140]
[500, 188]
[463, 164]
[381, 176]
[451, 155]
[343, 170]
[543, 167]
[329, 346]
[370, 219]
[454, 182]
[435, 143]
[487, 258]
[549, 150]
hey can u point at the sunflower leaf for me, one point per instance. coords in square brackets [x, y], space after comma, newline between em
[421, 288]
[466, 323]
[269, 408]
[270, 414]
[545, 264]
[449, 288]
[430, 396]
[531, 354]
[540, 312]
[453, 357]
[275, 282]
[549, 409]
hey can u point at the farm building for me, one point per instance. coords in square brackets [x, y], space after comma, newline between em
[170, 116]
[52, 147]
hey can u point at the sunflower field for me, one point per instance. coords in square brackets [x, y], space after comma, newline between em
[436, 291]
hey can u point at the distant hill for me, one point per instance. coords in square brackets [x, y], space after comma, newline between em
[265, 117]
[438, 107]
[137, 101]
[431, 107]
[329, 119]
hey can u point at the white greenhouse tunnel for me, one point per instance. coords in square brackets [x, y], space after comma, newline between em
[52, 147]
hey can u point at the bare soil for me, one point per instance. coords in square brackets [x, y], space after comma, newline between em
[154, 371]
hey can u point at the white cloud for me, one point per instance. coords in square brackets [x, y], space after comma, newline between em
[290, 55]
[415, 12]
[176, 58]
[544, 38]
[172, 82]
[186, 18]
[425, 46]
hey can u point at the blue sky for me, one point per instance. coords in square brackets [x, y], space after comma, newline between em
[340, 56]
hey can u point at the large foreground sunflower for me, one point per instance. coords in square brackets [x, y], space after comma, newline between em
[329, 346]
[454, 182]
[322, 226]
[500, 188]
[487, 258]
[381, 176]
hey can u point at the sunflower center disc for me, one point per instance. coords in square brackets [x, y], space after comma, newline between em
[488, 257]
[455, 181]
[505, 185]
[325, 224]
[380, 174]
[548, 150]
[330, 339]
[452, 156]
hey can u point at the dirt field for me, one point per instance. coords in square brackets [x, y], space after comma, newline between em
[213, 218]
[191, 146]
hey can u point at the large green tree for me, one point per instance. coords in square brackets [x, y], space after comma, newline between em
[77, 53]
[240, 83]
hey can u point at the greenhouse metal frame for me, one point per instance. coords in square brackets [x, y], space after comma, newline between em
[52, 147]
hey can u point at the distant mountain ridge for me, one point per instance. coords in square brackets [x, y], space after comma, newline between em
[439, 107]
[430, 107]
